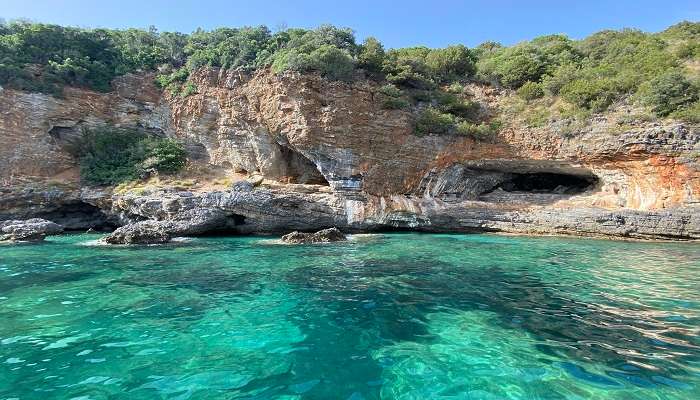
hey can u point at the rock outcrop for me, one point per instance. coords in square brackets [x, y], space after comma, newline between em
[322, 236]
[30, 230]
[145, 232]
[319, 153]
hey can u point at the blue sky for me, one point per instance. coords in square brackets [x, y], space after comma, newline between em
[432, 23]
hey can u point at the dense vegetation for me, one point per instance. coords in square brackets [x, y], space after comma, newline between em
[658, 71]
[112, 156]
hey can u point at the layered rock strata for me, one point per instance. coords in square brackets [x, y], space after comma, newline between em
[30, 230]
[330, 155]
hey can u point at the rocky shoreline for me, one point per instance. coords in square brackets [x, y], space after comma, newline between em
[31, 230]
[302, 153]
[245, 210]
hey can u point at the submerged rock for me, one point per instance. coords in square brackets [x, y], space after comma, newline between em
[30, 230]
[146, 232]
[322, 236]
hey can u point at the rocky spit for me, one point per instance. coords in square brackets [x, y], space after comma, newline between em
[31, 230]
[320, 154]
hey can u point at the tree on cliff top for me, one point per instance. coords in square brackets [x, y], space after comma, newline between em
[590, 74]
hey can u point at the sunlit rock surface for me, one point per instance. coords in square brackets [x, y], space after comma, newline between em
[326, 154]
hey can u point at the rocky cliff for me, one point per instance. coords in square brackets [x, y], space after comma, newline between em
[330, 155]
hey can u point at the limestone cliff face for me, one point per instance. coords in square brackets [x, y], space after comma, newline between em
[341, 159]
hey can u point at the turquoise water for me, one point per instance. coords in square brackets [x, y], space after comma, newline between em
[387, 316]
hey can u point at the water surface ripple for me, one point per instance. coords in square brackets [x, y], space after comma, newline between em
[386, 316]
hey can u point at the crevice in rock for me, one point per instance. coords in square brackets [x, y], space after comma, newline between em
[548, 182]
[236, 219]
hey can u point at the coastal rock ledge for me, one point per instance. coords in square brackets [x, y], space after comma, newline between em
[30, 230]
[145, 232]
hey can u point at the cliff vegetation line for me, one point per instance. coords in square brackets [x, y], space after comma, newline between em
[659, 72]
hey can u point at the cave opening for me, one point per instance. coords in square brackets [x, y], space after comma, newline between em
[237, 219]
[299, 169]
[78, 215]
[548, 182]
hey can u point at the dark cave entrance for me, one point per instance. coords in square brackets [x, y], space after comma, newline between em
[299, 169]
[548, 182]
[78, 215]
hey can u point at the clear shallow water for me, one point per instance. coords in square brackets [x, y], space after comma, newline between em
[392, 316]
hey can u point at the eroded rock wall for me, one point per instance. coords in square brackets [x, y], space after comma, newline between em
[366, 168]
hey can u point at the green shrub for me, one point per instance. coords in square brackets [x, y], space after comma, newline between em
[371, 56]
[514, 66]
[332, 62]
[109, 156]
[392, 97]
[395, 103]
[406, 67]
[164, 155]
[669, 92]
[536, 117]
[228, 47]
[432, 120]
[188, 89]
[327, 49]
[552, 83]
[455, 88]
[595, 94]
[456, 106]
[477, 131]
[689, 113]
[530, 91]
[419, 95]
[178, 77]
[449, 63]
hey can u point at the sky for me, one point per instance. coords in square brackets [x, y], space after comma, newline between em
[433, 23]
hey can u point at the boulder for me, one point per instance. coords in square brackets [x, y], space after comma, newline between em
[242, 186]
[322, 236]
[30, 230]
[255, 180]
[145, 232]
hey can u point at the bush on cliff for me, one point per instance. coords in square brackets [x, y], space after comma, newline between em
[163, 155]
[228, 47]
[590, 74]
[109, 156]
[433, 121]
[669, 92]
[392, 97]
[526, 62]
[478, 131]
[424, 68]
[530, 91]
[456, 106]
[371, 56]
[327, 49]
